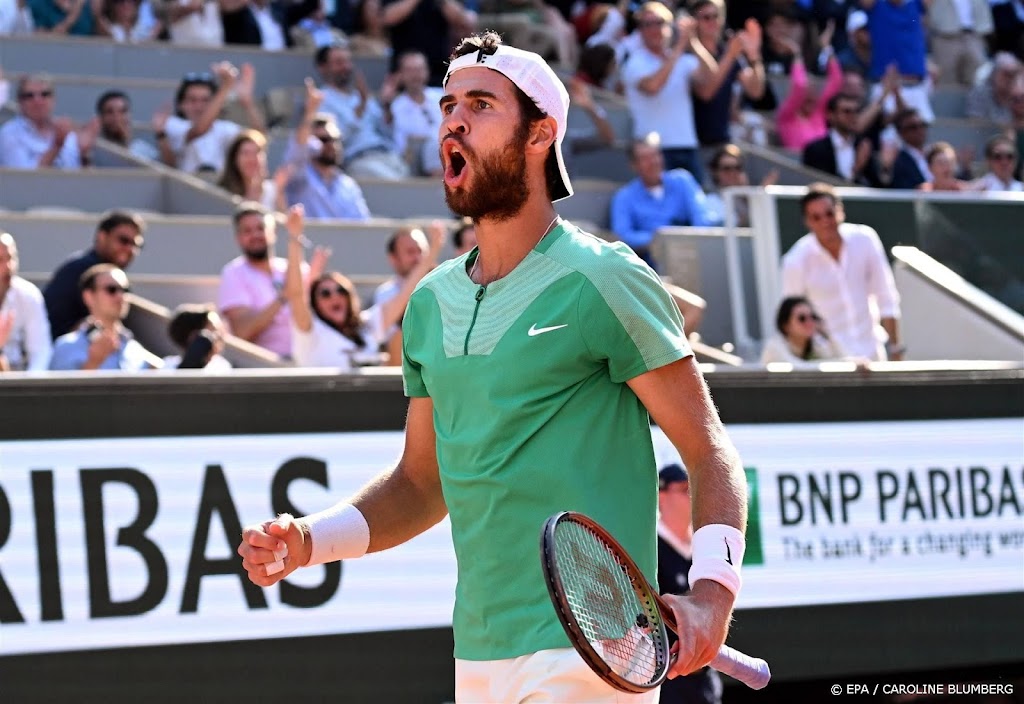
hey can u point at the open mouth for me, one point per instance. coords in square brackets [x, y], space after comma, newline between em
[455, 170]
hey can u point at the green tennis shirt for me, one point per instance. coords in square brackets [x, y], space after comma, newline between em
[532, 414]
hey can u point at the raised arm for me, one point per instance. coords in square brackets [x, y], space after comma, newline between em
[226, 77]
[394, 309]
[294, 288]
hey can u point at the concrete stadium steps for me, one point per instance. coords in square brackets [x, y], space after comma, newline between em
[196, 246]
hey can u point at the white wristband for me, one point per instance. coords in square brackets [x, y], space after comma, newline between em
[717, 555]
[339, 533]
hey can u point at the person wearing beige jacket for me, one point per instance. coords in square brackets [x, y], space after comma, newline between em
[958, 28]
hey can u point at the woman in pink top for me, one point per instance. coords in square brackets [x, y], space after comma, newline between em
[801, 117]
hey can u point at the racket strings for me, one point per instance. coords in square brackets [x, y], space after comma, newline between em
[622, 625]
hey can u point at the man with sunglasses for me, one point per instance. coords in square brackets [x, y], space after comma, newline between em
[908, 167]
[36, 139]
[843, 151]
[102, 342]
[1001, 156]
[119, 238]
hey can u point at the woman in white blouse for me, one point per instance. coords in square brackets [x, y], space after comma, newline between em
[801, 340]
[329, 327]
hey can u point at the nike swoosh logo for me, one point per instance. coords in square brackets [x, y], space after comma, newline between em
[728, 552]
[534, 330]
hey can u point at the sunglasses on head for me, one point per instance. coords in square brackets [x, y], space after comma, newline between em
[328, 291]
[29, 95]
[198, 77]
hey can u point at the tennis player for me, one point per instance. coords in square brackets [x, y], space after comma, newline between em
[531, 364]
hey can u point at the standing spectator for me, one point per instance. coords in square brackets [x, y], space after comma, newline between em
[739, 64]
[658, 77]
[898, 37]
[271, 30]
[114, 110]
[194, 139]
[193, 22]
[910, 167]
[842, 152]
[957, 33]
[942, 163]
[842, 270]
[188, 324]
[245, 172]
[251, 294]
[118, 240]
[800, 340]
[464, 237]
[656, 198]
[63, 17]
[425, 26]
[315, 178]
[239, 23]
[415, 119]
[126, 21]
[102, 342]
[1016, 131]
[1001, 156]
[16, 18]
[24, 329]
[801, 117]
[329, 328]
[35, 138]
[369, 151]
[675, 556]
[990, 99]
[1008, 20]
[856, 56]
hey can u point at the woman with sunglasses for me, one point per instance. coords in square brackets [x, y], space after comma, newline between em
[801, 340]
[329, 327]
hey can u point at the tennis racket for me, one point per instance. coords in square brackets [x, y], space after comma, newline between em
[616, 621]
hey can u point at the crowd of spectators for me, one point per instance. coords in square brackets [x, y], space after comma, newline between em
[695, 78]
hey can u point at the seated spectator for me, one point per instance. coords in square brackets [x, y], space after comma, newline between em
[801, 117]
[102, 342]
[127, 21]
[1001, 157]
[35, 139]
[740, 70]
[194, 139]
[245, 172]
[856, 56]
[942, 163]
[315, 31]
[957, 34]
[114, 110]
[70, 17]
[990, 98]
[727, 169]
[118, 240]
[406, 249]
[597, 66]
[415, 116]
[193, 22]
[198, 332]
[656, 198]
[329, 329]
[464, 237]
[842, 152]
[369, 151]
[801, 340]
[25, 343]
[314, 178]
[251, 295]
[597, 133]
[909, 169]
[16, 18]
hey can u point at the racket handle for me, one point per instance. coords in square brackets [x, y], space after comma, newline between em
[752, 672]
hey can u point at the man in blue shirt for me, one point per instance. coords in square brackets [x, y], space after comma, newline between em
[102, 342]
[654, 199]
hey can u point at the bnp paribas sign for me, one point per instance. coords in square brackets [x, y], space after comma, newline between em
[848, 512]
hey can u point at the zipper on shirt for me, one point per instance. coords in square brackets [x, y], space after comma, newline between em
[479, 297]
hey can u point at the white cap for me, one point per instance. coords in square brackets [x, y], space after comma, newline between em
[858, 19]
[532, 75]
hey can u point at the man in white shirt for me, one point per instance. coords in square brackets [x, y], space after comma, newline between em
[841, 268]
[24, 328]
[15, 18]
[35, 138]
[415, 119]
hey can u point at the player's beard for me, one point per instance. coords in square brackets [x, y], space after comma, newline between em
[498, 189]
[258, 255]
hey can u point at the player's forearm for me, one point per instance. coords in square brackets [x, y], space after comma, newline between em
[719, 487]
[397, 508]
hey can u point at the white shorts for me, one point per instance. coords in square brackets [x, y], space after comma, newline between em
[545, 677]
